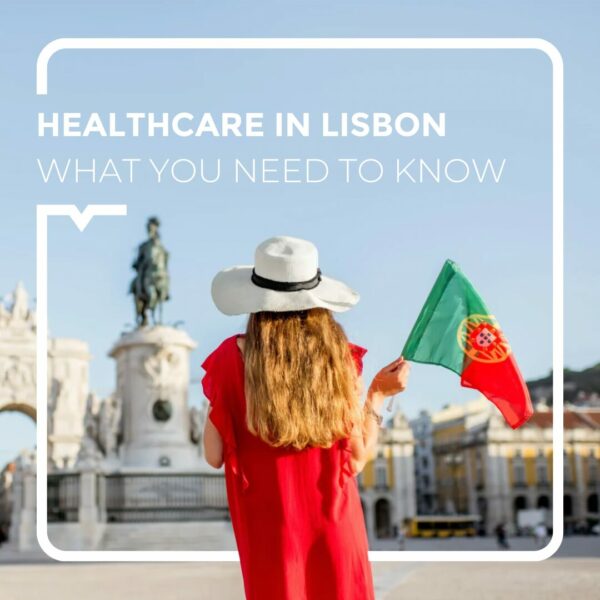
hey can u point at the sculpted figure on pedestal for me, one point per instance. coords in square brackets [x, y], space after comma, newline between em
[89, 455]
[109, 426]
[150, 287]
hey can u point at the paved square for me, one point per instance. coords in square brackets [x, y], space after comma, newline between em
[574, 573]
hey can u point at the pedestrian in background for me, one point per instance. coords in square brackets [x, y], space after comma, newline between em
[401, 537]
[540, 533]
[501, 539]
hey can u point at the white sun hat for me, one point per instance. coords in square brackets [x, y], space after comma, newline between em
[285, 277]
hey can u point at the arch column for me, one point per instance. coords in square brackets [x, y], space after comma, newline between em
[16, 490]
[22, 533]
[367, 503]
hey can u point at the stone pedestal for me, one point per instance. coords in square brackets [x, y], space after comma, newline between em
[152, 385]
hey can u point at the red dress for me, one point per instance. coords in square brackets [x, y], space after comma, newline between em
[296, 514]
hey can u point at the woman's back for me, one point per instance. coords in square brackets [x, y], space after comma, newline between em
[296, 513]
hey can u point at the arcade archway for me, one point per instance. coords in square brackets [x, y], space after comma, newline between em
[383, 520]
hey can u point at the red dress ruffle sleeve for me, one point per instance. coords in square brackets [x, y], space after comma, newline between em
[220, 413]
[357, 353]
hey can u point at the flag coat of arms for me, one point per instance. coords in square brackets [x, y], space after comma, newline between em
[455, 330]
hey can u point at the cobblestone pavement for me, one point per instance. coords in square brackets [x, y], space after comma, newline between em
[574, 573]
[555, 579]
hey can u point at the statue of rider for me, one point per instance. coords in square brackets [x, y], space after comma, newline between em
[150, 286]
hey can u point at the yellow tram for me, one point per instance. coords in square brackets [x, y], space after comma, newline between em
[441, 526]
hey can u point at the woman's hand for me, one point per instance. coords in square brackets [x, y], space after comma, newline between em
[391, 380]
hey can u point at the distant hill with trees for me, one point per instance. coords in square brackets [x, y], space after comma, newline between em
[581, 387]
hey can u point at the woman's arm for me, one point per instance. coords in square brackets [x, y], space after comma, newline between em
[213, 444]
[364, 436]
[391, 380]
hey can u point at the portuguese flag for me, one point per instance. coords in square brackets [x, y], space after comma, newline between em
[455, 330]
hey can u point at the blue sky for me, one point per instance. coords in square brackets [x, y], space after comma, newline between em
[387, 240]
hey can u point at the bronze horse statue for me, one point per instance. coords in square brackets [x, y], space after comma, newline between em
[150, 286]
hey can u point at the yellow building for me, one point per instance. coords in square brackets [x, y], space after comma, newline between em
[387, 483]
[484, 467]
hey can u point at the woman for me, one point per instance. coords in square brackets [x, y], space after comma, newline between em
[286, 420]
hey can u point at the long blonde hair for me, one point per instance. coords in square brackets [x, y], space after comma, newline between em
[301, 383]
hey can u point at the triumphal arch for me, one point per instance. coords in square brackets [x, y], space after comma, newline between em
[68, 373]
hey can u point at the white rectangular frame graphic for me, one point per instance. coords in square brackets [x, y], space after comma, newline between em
[81, 219]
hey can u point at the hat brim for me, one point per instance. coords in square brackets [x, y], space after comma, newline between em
[234, 294]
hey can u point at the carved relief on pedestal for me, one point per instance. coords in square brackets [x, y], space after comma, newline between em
[162, 367]
[163, 375]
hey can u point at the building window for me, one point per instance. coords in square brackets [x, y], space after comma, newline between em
[427, 503]
[478, 470]
[381, 476]
[567, 473]
[425, 462]
[541, 468]
[568, 505]
[592, 469]
[519, 469]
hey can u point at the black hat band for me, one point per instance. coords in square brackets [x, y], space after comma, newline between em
[286, 286]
